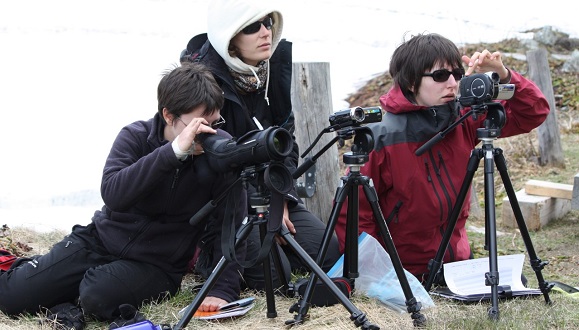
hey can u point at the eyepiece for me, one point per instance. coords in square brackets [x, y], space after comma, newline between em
[279, 143]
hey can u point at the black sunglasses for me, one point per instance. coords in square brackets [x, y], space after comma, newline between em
[442, 75]
[255, 26]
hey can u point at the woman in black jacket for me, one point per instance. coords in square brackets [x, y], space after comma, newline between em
[253, 66]
[137, 248]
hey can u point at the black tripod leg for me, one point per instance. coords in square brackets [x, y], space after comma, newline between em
[303, 305]
[352, 228]
[536, 263]
[357, 316]
[412, 305]
[492, 277]
[242, 234]
[284, 281]
[268, 279]
[435, 265]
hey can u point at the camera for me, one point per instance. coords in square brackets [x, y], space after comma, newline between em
[356, 116]
[254, 147]
[483, 87]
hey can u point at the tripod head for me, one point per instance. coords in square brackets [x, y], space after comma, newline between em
[361, 147]
[477, 91]
[494, 121]
[346, 124]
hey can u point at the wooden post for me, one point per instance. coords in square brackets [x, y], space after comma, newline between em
[550, 148]
[312, 105]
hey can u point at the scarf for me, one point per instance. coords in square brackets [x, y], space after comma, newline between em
[250, 82]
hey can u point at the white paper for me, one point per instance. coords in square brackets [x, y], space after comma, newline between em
[468, 276]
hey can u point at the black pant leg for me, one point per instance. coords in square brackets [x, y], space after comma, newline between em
[253, 276]
[105, 287]
[309, 234]
[53, 278]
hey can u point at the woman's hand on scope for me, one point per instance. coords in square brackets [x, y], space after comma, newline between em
[189, 134]
[486, 61]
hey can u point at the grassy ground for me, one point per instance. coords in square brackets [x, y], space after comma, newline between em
[557, 243]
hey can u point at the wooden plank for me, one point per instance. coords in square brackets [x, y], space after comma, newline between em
[575, 198]
[549, 189]
[537, 211]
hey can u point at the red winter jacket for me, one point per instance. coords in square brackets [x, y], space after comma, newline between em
[420, 191]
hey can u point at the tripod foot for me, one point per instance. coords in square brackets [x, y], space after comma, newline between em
[271, 315]
[301, 308]
[298, 319]
[361, 321]
[418, 319]
[493, 313]
[294, 308]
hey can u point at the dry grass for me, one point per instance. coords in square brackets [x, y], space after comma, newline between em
[556, 243]
[515, 314]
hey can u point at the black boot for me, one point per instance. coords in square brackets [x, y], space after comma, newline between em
[64, 316]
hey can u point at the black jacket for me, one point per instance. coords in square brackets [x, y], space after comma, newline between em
[240, 108]
[149, 198]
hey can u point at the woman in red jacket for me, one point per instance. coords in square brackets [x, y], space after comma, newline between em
[420, 191]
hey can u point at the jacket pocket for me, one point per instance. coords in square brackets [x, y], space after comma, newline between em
[57, 259]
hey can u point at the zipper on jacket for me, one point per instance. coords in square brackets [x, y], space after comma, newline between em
[449, 248]
[135, 238]
[441, 182]
[429, 178]
[175, 178]
[443, 166]
[434, 115]
[172, 191]
[394, 213]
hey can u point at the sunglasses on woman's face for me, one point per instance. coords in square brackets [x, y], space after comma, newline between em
[442, 75]
[255, 26]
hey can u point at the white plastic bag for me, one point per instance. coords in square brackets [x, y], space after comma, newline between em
[378, 278]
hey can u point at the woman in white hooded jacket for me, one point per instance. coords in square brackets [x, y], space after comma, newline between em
[253, 65]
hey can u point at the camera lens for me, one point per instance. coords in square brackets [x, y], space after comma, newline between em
[358, 114]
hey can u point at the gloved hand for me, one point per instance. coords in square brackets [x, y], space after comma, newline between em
[64, 316]
[129, 315]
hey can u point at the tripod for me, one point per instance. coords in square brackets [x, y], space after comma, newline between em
[275, 178]
[493, 124]
[363, 143]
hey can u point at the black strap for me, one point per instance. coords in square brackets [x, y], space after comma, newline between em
[273, 224]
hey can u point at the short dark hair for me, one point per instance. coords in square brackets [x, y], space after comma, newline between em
[418, 55]
[187, 87]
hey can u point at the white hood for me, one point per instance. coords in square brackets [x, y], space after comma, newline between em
[226, 18]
